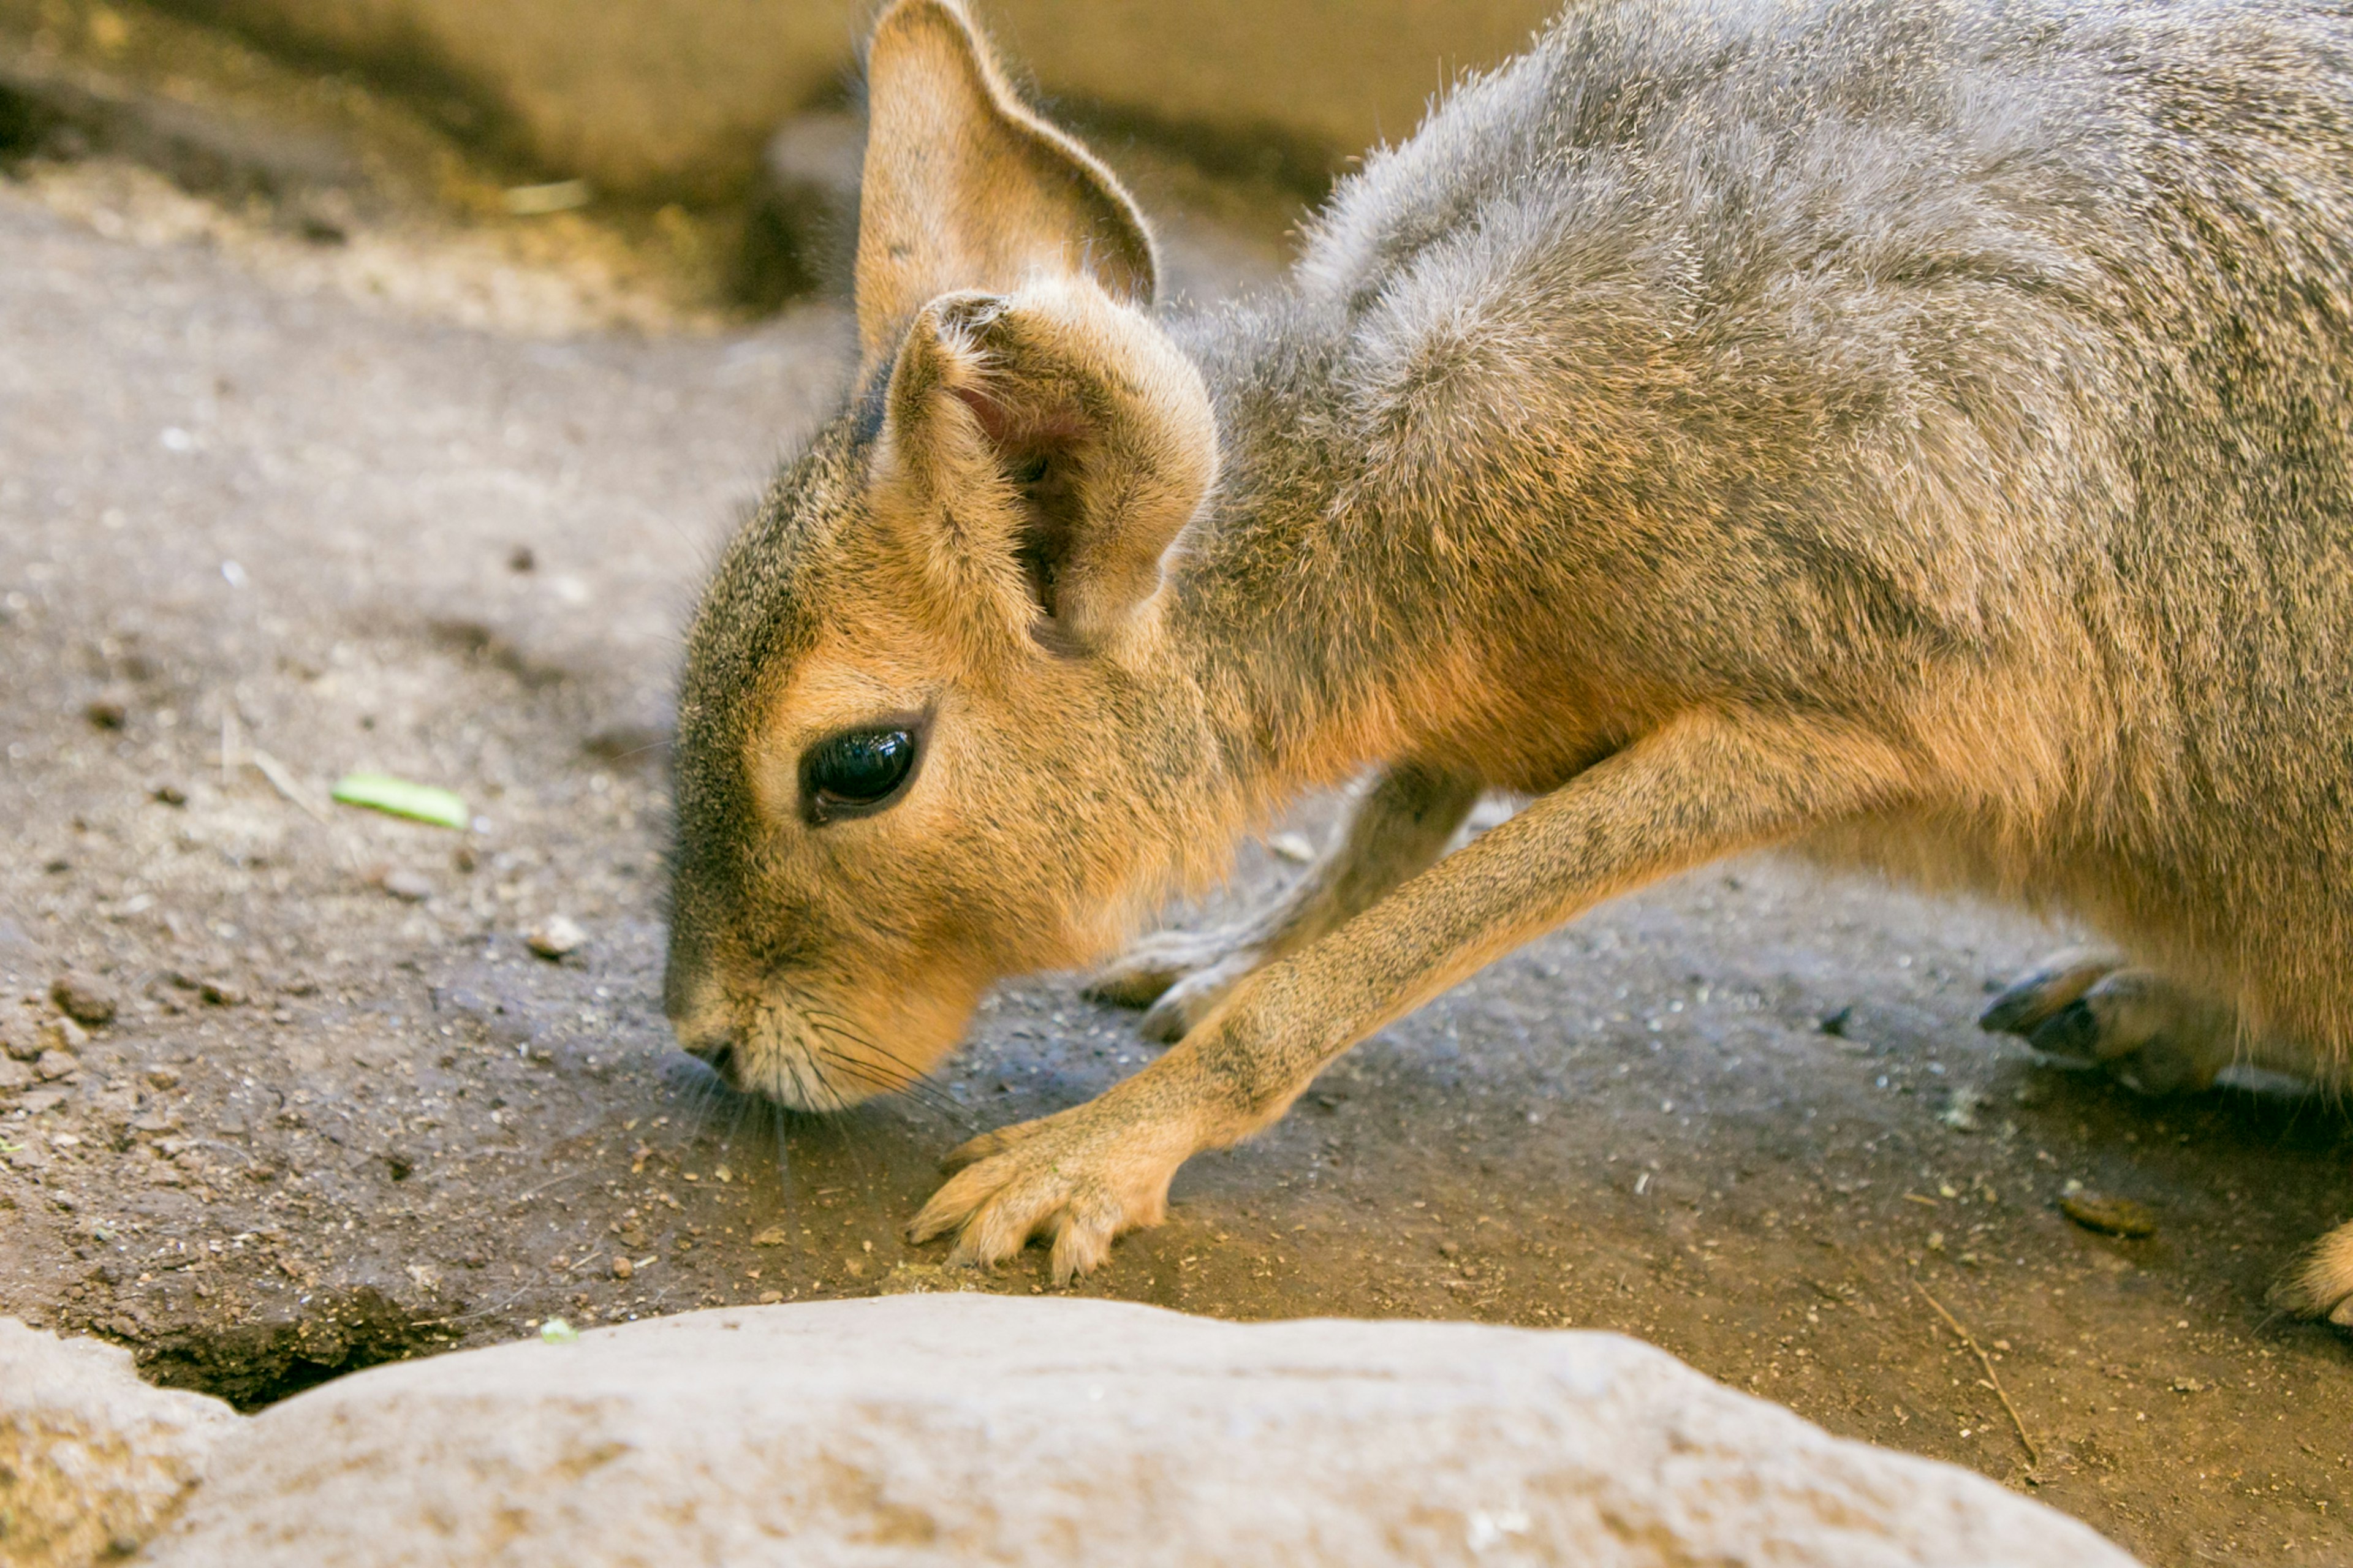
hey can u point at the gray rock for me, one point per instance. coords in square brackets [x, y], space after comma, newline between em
[92, 1460]
[956, 1428]
[556, 937]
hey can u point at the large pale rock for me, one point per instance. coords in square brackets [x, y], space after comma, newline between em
[92, 1460]
[953, 1429]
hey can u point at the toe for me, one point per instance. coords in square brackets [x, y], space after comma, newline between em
[1167, 1019]
[1195, 997]
[1142, 974]
[1082, 1239]
[1132, 984]
[951, 1205]
[1003, 1224]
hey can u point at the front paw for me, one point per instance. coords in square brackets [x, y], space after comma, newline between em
[1080, 1178]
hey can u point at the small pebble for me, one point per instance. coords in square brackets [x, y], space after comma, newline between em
[1292, 847]
[163, 1077]
[556, 1332]
[556, 937]
[168, 794]
[55, 1065]
[83, 999]
[105, 714]
[2110, 1217]
[409, 887]
[623, 1269]
[220, 994]
[770, 1297]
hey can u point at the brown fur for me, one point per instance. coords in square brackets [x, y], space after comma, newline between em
[1922, 439]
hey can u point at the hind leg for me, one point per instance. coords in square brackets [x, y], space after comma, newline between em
[2153, 1035]
[1400, 825]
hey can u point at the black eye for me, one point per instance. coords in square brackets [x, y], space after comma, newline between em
[855, 772]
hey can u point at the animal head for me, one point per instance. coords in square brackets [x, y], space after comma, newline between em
[929, 733]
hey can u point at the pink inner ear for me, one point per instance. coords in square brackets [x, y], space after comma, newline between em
[995, 419]
[1025, 428]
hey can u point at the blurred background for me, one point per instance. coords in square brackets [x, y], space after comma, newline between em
[702, 151]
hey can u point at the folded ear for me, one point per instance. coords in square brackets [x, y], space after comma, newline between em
[1040, 452]
[965, 188]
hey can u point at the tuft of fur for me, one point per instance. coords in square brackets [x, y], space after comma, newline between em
[1922, 436]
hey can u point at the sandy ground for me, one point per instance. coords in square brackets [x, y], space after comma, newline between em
[252, 524]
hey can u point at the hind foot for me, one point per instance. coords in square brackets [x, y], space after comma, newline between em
[2320, 1284]
[2152, 1034]
[1178, 976]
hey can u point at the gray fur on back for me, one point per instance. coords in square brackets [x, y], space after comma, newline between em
[1832, 354]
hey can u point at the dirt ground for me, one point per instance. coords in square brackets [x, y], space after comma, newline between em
[257, 528]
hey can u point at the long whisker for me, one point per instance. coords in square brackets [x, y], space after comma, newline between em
[929, 1095]
[911, 1078]
[874, 1048]
[884, 1078]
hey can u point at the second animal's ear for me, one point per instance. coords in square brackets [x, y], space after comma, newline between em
[966, 188]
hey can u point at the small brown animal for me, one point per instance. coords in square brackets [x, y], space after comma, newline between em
[1920, 435]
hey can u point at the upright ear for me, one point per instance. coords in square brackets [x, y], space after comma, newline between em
[965, 188]
[1040, 452]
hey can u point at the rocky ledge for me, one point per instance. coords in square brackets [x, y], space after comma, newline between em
[968, 1428]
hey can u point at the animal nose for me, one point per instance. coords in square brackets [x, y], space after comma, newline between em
[721, 1056]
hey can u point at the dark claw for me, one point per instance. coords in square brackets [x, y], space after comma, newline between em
[2072, 1031]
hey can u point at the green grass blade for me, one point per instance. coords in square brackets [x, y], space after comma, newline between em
[382, 792]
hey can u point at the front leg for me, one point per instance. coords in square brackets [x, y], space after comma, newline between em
[1399, 823]
[1704, 786]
